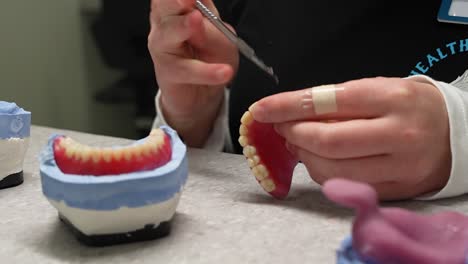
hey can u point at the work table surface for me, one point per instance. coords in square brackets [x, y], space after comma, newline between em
[223, 217]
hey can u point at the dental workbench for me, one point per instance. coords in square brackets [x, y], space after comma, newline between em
[223, 217]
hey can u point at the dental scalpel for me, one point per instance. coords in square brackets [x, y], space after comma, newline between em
[243, 47]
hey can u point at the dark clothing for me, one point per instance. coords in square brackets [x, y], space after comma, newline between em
[310, 43]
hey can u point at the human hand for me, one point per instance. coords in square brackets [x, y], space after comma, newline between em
[193, 61]
[391, 133]
[394, 235]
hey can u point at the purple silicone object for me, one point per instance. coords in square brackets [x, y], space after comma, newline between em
[394, 235]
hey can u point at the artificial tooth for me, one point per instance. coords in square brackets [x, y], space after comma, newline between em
[78, 152]
[251, 163]
[107, 155]
[70, 151]
[262, 170]
[128, 154]
[247, 118]
[243, 141]
[147, 148]
[96, 155]
[258, 175]
[268, 185]
[249, 151]
[159, 142]
[256, 159]
[85, 154]
[137, 151]
[64, 143]
[243, 130]
[118, 153]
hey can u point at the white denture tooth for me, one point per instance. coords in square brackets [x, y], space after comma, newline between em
[70, 151]
[247, 118]
[96, 155]
[64, 143]
[146, 149]
[78, 153]
[257, 174]
[127, 154]
[263, 170]
[117, 154]
[107, 155]
[256, 159]
[151, 142]
[85, 154]
[159, 141]
[138, 151]
[251, 163]
[249, 151]
[243, 130]
[268, 185]
[243, 141]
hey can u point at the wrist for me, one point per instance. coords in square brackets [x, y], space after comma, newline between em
[194, 124]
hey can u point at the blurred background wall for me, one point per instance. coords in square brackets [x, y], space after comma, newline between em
[53, 63]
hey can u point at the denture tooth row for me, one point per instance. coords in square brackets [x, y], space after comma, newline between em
[75, 158]
[79, 152]
[250, 152]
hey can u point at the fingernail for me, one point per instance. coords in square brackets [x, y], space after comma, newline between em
[221, 74]
[251, 108]
[258, 112]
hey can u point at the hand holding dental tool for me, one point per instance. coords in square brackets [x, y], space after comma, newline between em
[243, 47]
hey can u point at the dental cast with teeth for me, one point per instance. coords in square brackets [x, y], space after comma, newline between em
[123, 194]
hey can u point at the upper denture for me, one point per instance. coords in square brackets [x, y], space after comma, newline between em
[271, 163]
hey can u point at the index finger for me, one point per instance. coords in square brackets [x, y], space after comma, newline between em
[163, 8]
[356, 99]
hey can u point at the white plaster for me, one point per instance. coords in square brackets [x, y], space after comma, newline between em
[12, 152]
[93, 222]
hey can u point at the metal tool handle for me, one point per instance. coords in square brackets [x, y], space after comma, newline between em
[243, 47]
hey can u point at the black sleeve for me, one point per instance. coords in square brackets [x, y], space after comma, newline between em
[230, 10]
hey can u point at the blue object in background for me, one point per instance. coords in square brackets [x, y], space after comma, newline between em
[347, 255]
[15, 122]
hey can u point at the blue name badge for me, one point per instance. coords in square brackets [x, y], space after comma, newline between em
[454, 11]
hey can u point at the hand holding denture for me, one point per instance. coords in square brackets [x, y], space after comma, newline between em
[394, 235]
[391, 133]
[193, 62]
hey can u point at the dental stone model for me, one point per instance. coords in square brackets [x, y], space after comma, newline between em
[15, 125]
[394, 235]
[115, 195]
[271, 163]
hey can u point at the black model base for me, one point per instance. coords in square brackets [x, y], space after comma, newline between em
[149, 232]
[12, 180]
